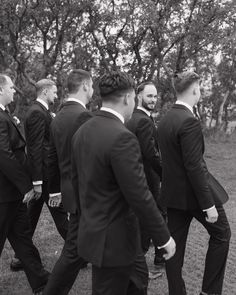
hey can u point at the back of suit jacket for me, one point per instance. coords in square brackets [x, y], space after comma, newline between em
[108, 179]
[14, 178]
[186, 182]
[37, 123]
[68, 120]
[143, 127]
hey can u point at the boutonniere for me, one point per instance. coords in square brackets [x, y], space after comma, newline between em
[16, 120]
[53, 115]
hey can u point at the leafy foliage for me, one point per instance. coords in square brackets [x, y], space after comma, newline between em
[150, 39]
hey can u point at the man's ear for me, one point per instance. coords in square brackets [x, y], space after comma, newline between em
[1, 89]
[139, 98]
[45, 91]
[85, 86]
[126, 99]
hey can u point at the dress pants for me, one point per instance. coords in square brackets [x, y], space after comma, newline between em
[111, 280]
[125, 280]
[14, 226]
[138, 283]
[58, 214]
[216, 257]
[68, 265]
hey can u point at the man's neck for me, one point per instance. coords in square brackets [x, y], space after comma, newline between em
[2, 107]
[114, 107]
[186, 99]
[79, 97]
[43, 102]
[146, 111]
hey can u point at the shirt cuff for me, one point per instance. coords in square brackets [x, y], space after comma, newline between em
[166, 244]
[38, 182]
[204, 210]
[54, 195]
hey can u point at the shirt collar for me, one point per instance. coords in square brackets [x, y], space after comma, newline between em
[185, 104]
[118, 115]
[144, 110]
[43, 103]
[76, 100]
[2, 107]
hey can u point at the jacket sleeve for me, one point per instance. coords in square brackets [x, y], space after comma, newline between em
[191, 140]
[34, 130]
[74, 177]
[129, 173]
[9, 165]
[150, 153]
[54, 179]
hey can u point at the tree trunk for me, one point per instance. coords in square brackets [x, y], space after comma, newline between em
[221, 110]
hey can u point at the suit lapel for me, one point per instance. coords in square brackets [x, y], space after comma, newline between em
[9, 116]
[45, 110]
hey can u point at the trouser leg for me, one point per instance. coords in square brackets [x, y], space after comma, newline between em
[110, 280]
[68, 265]
[217, 252]
[59, 215]
[178, 224]
[138, 284]
[20, 239]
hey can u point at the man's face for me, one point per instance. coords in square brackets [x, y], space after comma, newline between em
[51, 94]
[149, 97]
[7, 91]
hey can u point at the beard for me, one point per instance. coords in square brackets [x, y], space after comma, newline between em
[149, 107]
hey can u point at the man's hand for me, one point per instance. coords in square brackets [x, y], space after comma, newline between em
[212, 215]
[28, 196]
[37, 191]
[54, 201]
[170, 249]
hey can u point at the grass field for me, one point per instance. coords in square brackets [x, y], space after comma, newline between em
[221, 159]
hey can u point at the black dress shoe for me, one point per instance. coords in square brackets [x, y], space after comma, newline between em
[39, 290]
[16, 264]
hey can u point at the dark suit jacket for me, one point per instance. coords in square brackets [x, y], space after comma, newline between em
[186, 182]
[143, 127]
[67, 121]
[14, 178]
[37, 123]
[108, 179]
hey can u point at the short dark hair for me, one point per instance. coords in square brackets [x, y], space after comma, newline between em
[115, 84]
[75, 79]
[141, 86]
[3, 80]
[182, 81]
[44, 84]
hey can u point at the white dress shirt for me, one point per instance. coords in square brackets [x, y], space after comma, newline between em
[76, 100]
[118, 115]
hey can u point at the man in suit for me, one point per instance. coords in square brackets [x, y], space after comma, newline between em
[37, 132]
[110, 187]
[16, 190]
[37, 129]
[71, 116]
[142, 125]
[189, 190]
